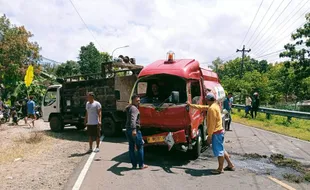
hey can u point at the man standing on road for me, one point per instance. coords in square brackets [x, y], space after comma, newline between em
[93, 121]
[216, 133]
[248, 103]
[31, 110]
[134, 134]
[227, 105]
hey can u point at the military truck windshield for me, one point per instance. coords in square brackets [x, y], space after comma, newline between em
[157, 89]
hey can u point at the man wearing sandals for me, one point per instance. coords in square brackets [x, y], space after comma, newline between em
[134, 134]
[216, 133]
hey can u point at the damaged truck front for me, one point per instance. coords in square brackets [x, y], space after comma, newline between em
[165, 87]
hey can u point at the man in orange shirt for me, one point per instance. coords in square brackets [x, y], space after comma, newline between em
[216, 133]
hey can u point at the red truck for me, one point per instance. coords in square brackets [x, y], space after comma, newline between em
[164, 87]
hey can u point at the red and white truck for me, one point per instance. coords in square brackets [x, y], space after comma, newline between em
[168, 120]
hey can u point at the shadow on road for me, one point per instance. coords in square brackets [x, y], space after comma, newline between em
[154, 156]
[70, 134]
[197, 172]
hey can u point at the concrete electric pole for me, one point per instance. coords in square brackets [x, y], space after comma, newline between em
[243, 54]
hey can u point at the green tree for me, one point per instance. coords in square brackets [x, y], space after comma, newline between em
[69, 68]
[216, 64]
[16, 53]
[299, 54]
[90, 59]
[105, 57]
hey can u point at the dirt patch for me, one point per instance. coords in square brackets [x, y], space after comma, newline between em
[293, 178]
[291, 170]
[254, 156]
[280, 160]
[37, 158]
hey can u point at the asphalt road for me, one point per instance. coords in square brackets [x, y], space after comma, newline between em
[110, 168]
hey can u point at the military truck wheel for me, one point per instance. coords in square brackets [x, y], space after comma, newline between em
[108, 127]
[56, 124]
[195, 153]
[80, 126]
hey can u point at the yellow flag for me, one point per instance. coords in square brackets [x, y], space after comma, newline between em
[29, 76]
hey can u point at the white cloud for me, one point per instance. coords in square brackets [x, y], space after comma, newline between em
[192, 29]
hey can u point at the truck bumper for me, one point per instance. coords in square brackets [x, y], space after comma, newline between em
[179, 137]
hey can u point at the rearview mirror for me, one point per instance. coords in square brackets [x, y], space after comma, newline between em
[117, 95]
[175, 97]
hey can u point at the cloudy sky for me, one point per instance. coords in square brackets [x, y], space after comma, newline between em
[200, 29]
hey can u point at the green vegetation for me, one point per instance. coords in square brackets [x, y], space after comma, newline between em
[298, 128]
[284, 83]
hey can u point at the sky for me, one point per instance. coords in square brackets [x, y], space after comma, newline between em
[198, 29]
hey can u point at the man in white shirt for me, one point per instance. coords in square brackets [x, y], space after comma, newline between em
[248, 103]
[93, 121]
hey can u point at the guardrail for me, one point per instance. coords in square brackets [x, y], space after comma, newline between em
[271, 111]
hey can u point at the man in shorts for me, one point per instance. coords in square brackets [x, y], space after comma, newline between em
[215, 133]
[31, 110]
[93, 121]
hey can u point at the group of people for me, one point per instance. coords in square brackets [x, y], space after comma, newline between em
[134, 134]
[27, 107]
[252, 105]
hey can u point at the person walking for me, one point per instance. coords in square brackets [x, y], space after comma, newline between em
[255, 105]
[216, 133]
[227, 105]
[93, 121]
[31, 110]
[134, 134]
[248, 103]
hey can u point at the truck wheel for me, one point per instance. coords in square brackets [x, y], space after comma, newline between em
[195, 153]
[80, 126]
[56, 124]
[108, 127]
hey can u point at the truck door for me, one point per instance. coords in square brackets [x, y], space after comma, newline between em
[196, 98]
[51, 102]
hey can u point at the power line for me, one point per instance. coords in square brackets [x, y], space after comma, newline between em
[280, 29]
[261, 21]
[252, 23]
[85, 24]
[274, 44]
[271, 53]
[267, 22]
[49, 59]
[274, 22]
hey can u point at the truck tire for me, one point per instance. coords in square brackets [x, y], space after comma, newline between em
[195, 153]
[56, 124]
[108, 127]
[80, 126]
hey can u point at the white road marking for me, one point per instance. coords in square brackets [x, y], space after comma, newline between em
[284, 185]
[86, 167]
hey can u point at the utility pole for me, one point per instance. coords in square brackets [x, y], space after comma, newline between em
[243, 54]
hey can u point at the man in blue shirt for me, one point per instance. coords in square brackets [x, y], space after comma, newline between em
[227, 106]
[31, 110]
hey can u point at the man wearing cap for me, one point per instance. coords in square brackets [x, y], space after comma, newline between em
[215, 133]
[93, 121]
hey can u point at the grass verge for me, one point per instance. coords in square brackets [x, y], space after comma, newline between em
[24, 145]
[298, 128]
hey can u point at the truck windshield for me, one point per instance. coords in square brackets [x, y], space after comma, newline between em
[157, 89]
[50, 96]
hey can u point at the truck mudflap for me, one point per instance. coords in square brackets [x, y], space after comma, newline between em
[166, 138]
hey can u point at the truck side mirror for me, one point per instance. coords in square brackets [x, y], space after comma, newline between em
[117, 95]
[175, 97]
